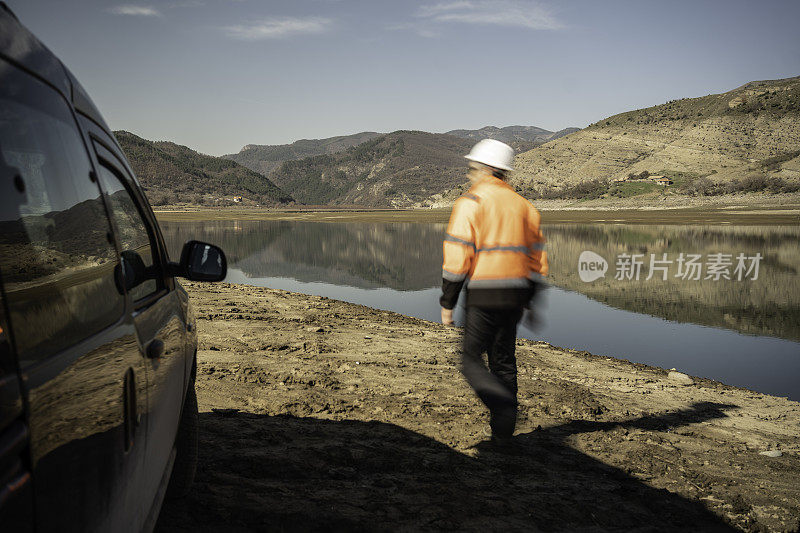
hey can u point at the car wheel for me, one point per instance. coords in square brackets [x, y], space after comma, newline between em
[186, 448]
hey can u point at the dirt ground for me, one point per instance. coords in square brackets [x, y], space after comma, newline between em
[321, 415]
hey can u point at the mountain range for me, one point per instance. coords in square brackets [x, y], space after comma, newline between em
[734, 141]
[399, 169]
[513, 134]
[264, 158]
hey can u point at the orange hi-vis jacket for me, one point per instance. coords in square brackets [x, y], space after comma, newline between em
[493, 245]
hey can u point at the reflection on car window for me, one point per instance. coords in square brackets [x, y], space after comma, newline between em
[133, 236]
[55, 256]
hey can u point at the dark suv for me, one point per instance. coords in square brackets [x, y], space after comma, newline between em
[98, 414]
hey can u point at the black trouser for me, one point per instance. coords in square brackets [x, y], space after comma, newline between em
[494, 332]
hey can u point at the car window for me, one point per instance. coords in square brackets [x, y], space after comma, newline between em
[135, 240]
[56, 258]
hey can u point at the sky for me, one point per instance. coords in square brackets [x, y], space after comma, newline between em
[216, 75]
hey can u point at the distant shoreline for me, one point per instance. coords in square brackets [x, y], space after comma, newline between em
[552, 213]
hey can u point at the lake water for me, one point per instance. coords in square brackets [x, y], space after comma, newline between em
[721, 302]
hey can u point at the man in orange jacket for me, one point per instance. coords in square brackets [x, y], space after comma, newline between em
[495, 247]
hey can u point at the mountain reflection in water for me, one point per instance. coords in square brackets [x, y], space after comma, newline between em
[398, 267]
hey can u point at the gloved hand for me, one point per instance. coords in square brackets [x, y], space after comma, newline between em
[531, 317]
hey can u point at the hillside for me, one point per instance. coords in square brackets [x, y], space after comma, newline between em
[264, 159]
[400, 169]
[562, 133]
[512, 134]
[171, 173]
[748, 135]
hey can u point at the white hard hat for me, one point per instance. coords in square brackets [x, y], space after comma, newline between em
[493, 153]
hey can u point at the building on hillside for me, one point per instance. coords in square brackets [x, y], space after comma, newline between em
[656, 178]
[237, 199]
[663, 180]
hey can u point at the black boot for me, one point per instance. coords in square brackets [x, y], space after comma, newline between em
[503, 421]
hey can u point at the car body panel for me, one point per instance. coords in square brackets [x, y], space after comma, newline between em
[16, 486]
[83, 474]
[162, 321]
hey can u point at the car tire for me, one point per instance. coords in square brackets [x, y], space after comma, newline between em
[186, 447]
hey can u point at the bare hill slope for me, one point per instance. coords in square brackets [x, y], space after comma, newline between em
[751, 130]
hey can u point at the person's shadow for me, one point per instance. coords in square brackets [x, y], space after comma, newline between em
[260, 472]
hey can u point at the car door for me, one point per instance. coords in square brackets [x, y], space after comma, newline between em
[157, 314]
[16, 489]
[82, 374]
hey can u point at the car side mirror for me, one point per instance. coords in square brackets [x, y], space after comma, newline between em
[201, 261]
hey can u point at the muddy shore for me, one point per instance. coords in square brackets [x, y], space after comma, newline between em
[321, 415]
[736, 211]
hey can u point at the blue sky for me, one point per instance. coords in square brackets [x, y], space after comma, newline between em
[218, 74]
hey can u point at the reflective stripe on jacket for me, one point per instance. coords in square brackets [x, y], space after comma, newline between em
[495, 246]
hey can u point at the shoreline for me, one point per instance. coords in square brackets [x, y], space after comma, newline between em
[676, 216]
[323, 411]
[738, 210]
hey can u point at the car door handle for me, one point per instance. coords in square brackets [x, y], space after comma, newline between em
[129, 408]
[155, 349]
